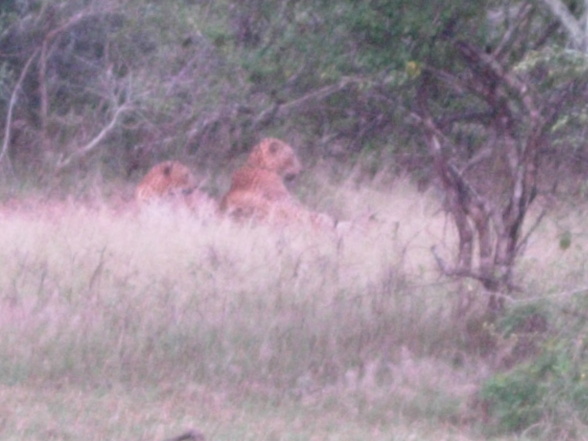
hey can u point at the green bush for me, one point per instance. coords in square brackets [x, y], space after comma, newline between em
[515, 399]
[547, 391]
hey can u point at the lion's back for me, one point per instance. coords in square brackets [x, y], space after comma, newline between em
[264, 184]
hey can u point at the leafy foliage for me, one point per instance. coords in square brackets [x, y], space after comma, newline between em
[196, 75]
[550, 389]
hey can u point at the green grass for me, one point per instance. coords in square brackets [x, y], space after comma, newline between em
[66, 412]
[128, 325]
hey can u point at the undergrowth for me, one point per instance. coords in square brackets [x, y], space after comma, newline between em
[95, 297]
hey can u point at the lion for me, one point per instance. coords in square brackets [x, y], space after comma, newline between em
[173, 182]
[258, 189]
[165, 180]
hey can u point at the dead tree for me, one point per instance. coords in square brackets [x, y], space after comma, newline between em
[489, 180]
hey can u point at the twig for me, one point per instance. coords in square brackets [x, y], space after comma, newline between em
[511, 33]
[525, 239]
[489, 283]
[554, 296]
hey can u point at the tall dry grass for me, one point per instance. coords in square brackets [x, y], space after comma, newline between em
[94, 296]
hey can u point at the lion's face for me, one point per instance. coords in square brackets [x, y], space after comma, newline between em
[176, 175]
[277, 156]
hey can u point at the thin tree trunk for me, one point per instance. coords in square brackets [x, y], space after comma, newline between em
[44, 99]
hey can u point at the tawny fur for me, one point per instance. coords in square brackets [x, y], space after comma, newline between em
[172, 181]
[258, 190]
[164, 180]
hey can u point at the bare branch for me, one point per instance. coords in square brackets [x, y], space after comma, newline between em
[489, 283]
[525, 239]
[91, 146]
[473, 116]
[515, 29]
[496, 72]
[72, 21]
[570, 23]
[283, 110]
[267, 115]
[460, 85]
[12, 103]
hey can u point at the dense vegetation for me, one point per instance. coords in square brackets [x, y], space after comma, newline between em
[484, 101]
[114, 85]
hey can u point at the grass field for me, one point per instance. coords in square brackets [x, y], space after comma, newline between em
[158, 413]
[126, 325]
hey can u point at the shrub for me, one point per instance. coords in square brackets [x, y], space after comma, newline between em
[548, 392]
